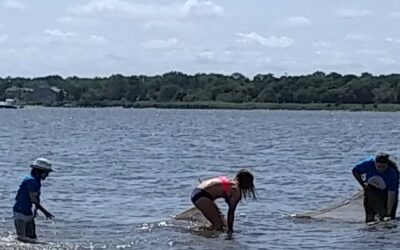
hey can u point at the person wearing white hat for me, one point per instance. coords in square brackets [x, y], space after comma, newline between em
[29, 194]
[381, 186]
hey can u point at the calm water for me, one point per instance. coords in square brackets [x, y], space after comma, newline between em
[120, 174]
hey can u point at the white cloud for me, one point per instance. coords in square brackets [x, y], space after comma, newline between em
[393, 40]
[89, 41]
[272, 41]
[297, 21]
[101, 6]
[352, 13]
[161, 44]
[356, 37]
[14, 4]
[205, 56]
[3, 38]
[97, 39]
[191, 8]
[122, 8]
[201, 8]
[59, 33]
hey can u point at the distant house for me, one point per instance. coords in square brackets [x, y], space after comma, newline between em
[48, 95]
[18, 93]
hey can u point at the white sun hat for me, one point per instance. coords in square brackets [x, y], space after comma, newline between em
[43, 164]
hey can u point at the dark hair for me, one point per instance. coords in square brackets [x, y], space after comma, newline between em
[246, 184]
[382, 158]
[38, 172]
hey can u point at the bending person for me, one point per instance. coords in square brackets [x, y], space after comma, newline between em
[232, 190]
[381, 184]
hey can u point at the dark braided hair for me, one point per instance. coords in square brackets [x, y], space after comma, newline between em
[246, 184]
[384, 158]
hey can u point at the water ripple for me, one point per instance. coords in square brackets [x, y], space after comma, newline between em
[121, 172]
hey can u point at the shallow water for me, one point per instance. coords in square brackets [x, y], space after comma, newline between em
[121, 173]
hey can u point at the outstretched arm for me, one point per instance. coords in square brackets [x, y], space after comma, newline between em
[33, 196]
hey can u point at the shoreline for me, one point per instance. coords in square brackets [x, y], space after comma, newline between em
[268, 106]
[235, 106]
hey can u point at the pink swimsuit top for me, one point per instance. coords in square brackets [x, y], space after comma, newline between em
[225, 184]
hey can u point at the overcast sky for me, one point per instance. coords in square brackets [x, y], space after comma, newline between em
[104, 37]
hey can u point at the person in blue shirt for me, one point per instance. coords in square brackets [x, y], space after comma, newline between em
[380, 184]
[29, 194]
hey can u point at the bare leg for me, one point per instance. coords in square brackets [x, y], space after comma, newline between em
[211, 212]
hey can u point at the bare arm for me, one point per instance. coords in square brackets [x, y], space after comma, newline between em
[358, 177]
[390, 201]
[231, 213]
[392, 190]
[33, 197]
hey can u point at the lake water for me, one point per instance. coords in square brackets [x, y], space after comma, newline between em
[121, 173]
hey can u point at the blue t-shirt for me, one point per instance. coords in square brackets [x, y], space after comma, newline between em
[23, 203]
[390, 176]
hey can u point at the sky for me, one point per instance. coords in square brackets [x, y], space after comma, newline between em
[89, 38]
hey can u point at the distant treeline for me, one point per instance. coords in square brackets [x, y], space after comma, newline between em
[236, 88]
